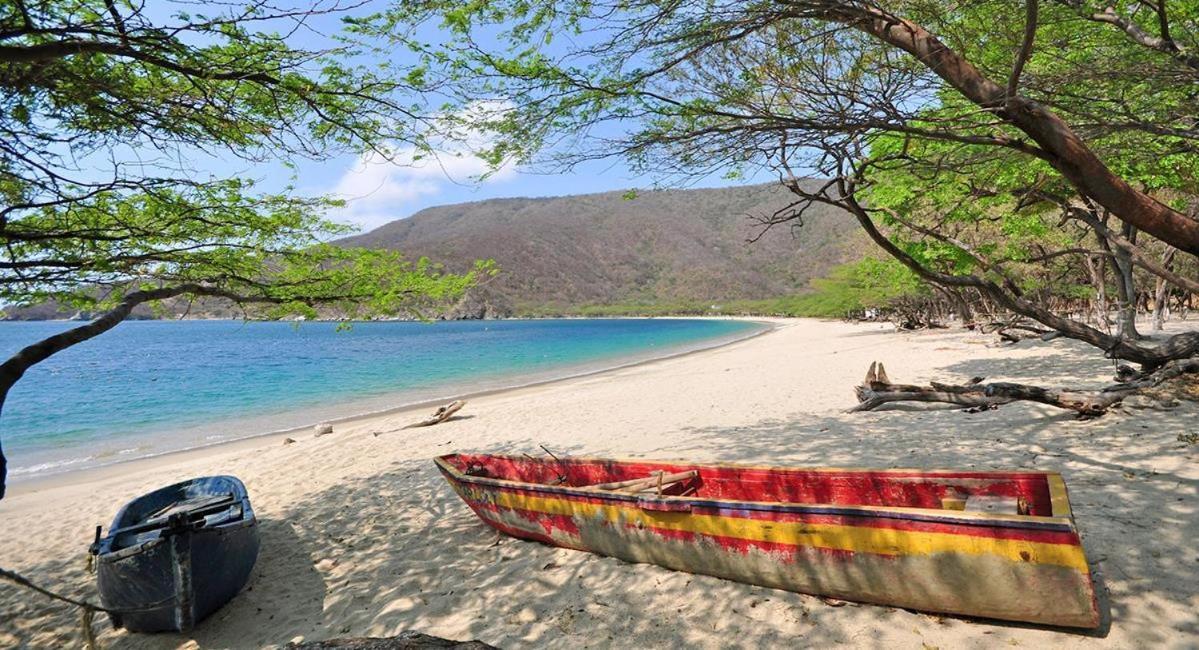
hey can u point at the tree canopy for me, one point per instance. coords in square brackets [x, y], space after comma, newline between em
[1054, 135]
[111, 111]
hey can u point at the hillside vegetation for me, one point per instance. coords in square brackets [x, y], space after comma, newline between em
[657, 252]
[662, 251]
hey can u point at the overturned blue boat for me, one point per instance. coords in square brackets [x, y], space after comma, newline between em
[176, 555]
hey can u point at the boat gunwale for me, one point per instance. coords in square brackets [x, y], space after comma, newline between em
[992, 520]
[247, 518]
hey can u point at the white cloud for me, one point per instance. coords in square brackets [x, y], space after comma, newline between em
[383, 187]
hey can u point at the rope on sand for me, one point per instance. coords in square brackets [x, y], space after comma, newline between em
[89, 608]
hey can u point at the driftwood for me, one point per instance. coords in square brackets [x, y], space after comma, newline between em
[1015, 331]
[1015, 335]
[403, 641]
[442, 414]
[877, 390]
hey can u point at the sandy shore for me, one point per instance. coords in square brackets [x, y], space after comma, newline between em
[362, 537]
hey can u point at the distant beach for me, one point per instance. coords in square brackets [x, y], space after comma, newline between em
[362, 537]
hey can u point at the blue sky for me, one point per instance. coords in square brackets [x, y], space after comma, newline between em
[378, 192]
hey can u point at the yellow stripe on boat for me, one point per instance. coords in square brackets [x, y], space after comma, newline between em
[858, 539]
[1058, 497]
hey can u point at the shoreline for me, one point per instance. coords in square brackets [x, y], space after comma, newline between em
[361, 535]
[411, 320]
[33, 483]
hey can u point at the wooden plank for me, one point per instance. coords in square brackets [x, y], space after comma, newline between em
[993, 504]
[645, 480]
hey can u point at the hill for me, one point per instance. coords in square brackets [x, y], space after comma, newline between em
[660, 251]
[568, 254]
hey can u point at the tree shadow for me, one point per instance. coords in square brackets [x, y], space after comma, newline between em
[1132, 494]
[284, 573]
[399, 551]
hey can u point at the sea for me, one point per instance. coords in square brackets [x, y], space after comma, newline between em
[147, 388]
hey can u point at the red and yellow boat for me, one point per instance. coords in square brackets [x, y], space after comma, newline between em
[998, 545]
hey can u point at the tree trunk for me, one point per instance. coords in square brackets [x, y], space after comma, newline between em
[1095, 270]
[1126, 293]
[1058, 144]
[3, 460]
[962, 306]
[1160, 293]
[1126, 322]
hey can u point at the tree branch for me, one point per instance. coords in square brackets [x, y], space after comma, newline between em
[1135, 32]
[1071, 155]
[1030, 32]
[1179, 346]
[1138, 256]
[70, 47]
[15, 367]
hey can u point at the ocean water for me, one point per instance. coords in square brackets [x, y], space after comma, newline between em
[151, 387]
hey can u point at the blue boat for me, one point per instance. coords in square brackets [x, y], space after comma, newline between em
[176, 555]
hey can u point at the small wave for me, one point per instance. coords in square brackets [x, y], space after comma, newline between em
[109, 453]
[53, 465]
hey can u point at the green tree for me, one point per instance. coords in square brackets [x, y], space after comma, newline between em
[853, 290]
[1066, 106]
[102, 106]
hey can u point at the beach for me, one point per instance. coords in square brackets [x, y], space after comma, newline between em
[362, 537]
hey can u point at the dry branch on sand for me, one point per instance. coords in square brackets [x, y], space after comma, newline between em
[403, 641]
[442, 414]
[877, 390]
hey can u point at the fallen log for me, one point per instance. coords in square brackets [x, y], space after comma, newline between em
[1016, 331]
[1014, 335]
[877, 390]
[1018, 324]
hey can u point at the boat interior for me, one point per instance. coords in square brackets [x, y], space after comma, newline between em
[199, 503]
[1035, 494]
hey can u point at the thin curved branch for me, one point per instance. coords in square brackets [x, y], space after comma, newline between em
[1135, 32]
[1179, 346]
[1030, 33]
[1135, 252]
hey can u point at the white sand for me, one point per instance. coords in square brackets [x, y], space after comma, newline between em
[361, 536]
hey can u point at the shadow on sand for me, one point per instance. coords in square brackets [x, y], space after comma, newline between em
[398, 551]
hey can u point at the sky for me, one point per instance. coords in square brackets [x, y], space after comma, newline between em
[377, 192]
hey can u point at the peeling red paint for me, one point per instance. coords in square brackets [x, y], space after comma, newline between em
[913, 554]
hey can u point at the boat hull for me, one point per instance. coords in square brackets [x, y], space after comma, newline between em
[142, 581]
[957, 563]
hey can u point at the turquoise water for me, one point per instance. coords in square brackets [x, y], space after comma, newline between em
[150, 387]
